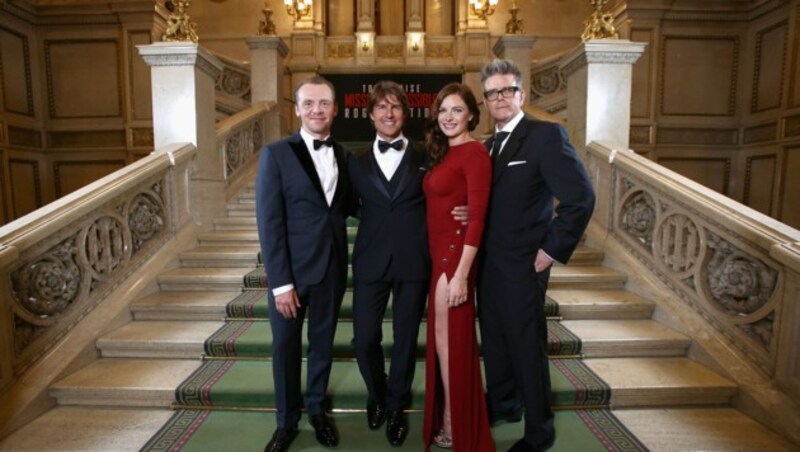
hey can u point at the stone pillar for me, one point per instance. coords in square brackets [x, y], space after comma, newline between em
[266, 75]
[183, 75]
[517, 48]
[599, 78]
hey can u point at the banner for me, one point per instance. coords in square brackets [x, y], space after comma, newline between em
[352, 95]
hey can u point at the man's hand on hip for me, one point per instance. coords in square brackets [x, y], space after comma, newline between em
[542, 262]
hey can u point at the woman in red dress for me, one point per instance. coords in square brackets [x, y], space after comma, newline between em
[460, 173]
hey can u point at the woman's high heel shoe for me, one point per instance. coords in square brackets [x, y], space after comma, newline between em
[442, 440]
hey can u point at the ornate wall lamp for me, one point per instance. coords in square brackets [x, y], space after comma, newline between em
[298, 8]
[482, 8]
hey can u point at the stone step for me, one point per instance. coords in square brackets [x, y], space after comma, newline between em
[573, 305]
[115, 429]
[229, 238]
[247, 195]
[700, 429]
[221, 256]
[118, 382]
[238, 209]
[600, 304]
[667, 382]
[661, 382]
[584, 255]
[201, 279]
[586, 277]
[194, 305]
[158, 339]
[185, 339]
[235, 223]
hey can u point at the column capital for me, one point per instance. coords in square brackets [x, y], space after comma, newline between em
[268, 43]
[508, 42]
[181, 54]
[603, 51]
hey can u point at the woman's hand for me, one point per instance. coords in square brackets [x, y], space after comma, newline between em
[456, 291]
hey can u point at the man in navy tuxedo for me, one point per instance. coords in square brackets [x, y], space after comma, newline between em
[533, 162]
[390, 257]
[302, 201]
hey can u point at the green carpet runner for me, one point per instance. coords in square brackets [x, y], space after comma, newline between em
[226, 403]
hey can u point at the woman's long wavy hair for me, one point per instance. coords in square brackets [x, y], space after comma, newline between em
[435, 140]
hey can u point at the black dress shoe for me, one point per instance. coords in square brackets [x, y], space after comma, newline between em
[512, 416]
[324, 430]
[281, 439]
[376, 414]
[396, 427]
[524, 446]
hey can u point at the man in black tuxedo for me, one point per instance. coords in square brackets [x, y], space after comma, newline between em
[302, 201]
[533, 162]
[390, 257]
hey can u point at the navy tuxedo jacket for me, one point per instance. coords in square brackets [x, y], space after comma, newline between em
[536, 164]
[392, 228]
[299, 233]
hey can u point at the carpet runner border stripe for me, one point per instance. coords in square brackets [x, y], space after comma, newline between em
[194, 430]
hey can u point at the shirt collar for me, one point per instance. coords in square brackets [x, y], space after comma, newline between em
[309, 140]
[513, 123]
[399, 137]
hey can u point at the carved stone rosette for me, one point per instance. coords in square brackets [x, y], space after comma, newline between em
[234, 83]
[242, 143]
[62, 279]
[729, 280]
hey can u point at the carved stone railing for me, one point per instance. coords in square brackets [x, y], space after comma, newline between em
[241, 136]
[58, 263]
[232, 85]
[548, 85]
[738, 269]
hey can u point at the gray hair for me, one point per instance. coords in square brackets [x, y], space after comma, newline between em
[501, 67]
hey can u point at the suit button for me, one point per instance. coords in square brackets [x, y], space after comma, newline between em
[452, 247]
[458, 231]
[444, 261]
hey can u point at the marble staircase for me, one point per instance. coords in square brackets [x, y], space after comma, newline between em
[117, 402]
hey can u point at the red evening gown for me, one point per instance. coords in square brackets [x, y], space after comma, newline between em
[463, 177]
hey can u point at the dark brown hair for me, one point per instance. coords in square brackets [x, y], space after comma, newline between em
[385, 88]
[435, 140]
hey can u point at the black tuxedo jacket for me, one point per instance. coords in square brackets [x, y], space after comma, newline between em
[392, 228]
[536, 164]
[298, 232]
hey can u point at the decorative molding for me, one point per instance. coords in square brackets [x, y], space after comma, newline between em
[390, 50]
[546, 82]
[734, 72]
[791, 126]
[726, 172]
[30, 110]
[142, 138]
[341, 50]
[748, 177]
[234, 83]
[697, 136]
[28, 138]
[58, 165]
[2, 133]
[760, 133]
[86, 139]
[181, 54]
[606, 51]
[641, 134]
[51, 101]
[439, 49]
[37, 183]
[754, 107]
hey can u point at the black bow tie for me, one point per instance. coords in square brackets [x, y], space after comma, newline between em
[319, 143]
[384, 146]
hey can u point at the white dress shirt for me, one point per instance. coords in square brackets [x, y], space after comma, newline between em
[389, 161]
[325, 164]
[509, 127]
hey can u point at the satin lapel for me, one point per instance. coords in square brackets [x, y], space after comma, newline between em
[512, 147]
[372, 170]
[405, 170]
[342, 179]
[302, 153]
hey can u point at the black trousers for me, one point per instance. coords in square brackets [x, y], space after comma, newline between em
[369, 305]
[322, 302]
[514, 343]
